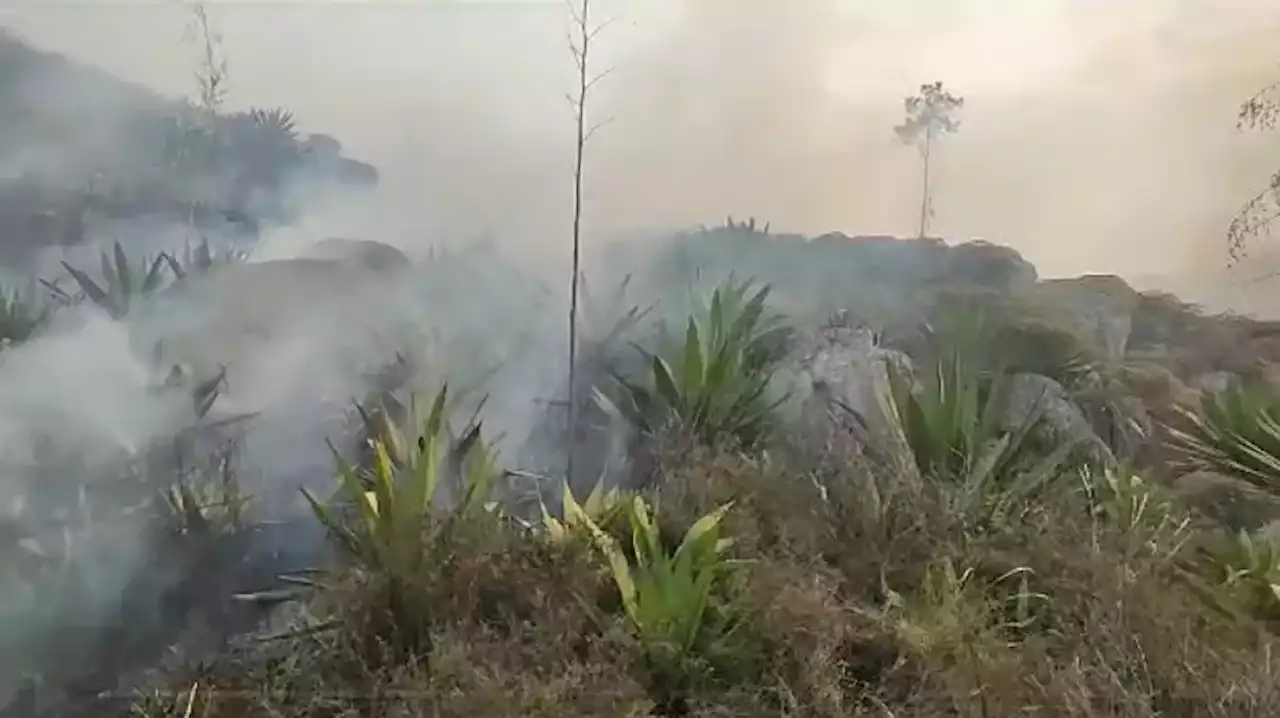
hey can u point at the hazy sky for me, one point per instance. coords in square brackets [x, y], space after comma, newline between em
[1098, 135]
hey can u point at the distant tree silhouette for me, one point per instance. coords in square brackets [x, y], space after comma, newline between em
[930, 114]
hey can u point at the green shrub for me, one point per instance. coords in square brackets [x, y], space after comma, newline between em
[714, 384]
[391, 522]
[670, 596]
[124, 283]
[1235, 432]
[955, 426]
[1238, 575]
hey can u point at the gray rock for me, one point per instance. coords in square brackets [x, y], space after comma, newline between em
[991, 265]
[1105, 304]
[848, 375]
[1062, 419]
[375, 256]
[259, 319]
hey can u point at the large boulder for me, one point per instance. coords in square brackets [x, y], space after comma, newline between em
[1062, 420]
[375, 256]
[260, 318]
[1105, 306]
[992, 266]
[847, 373]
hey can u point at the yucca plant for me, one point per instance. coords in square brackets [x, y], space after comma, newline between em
[956, 427]
[204, 507]
[1238, 575]
[20, 317]
[200, 259]
[1235, 432]
[669, 596]
[204, 497]
[603, 507]
[714, 384]
[395, 498]
[385, 418]
[124, 283]
[275, 119]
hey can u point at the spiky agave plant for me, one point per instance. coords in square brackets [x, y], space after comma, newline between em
[204, 497]
[20, 317]
[713, 385]
[602, 507]
[955, 425]
[200, 259]
[395, 498]
[1235, 432]
[383, 417]
[124, 283]
[669, 595]
[1238, 575]
[204, 508]
[275, 119]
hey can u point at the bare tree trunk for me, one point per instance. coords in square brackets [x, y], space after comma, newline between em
[582, 21]
[924, 192]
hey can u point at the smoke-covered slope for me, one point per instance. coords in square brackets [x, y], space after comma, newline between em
[84, 154]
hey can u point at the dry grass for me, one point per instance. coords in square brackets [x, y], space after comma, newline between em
[851, 611]
[848, 589]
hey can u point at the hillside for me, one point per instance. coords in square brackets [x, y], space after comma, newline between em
[86, 154]
[950, 479]
[763, 474]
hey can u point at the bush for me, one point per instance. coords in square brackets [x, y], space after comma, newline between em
[714, 384]
[955, 425]
[393, 529]
[1236, 433]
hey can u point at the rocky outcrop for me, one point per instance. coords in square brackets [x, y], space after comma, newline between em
[1062, 420]
[1104, 304]
[847, 372]
[374, 256]
[991, 266]
[311, 326]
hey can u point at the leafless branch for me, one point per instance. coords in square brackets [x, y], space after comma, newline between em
[582, 36]
[597, 126]
[1255, 217]
[1261, 111]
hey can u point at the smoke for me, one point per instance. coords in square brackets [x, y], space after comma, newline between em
[1096, 138]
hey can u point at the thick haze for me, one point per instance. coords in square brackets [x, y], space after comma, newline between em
[1098, 135]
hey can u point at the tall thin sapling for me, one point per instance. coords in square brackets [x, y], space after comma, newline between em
[582, 33]
[930, 114]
